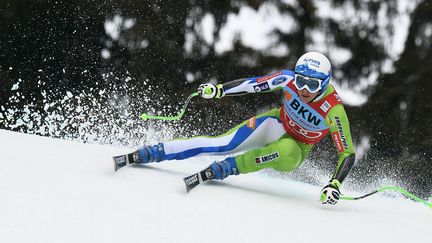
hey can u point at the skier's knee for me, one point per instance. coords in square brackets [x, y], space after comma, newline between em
[290, 155]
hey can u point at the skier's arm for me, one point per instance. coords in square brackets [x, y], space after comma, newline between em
[340, 132]
[267, 83]
[341, 135]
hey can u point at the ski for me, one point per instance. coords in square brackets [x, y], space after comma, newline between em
[194, 180]
[124, 160]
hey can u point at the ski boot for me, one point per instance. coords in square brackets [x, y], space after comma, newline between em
[218, 170]
[144, 155]
[148, 154]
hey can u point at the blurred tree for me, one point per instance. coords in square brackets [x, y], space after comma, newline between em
[402, 97]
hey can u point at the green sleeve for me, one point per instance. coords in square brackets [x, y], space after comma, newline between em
[338, 122]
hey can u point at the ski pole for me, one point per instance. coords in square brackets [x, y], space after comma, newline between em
[179, 115]
[388, 188]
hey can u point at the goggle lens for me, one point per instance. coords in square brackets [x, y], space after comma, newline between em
[311, 84]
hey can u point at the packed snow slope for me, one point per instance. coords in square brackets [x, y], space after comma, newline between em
[54, 190]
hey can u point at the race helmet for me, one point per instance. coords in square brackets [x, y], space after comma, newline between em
[312, 71]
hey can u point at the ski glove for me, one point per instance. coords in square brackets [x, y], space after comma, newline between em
[330, 194]
[210, 91]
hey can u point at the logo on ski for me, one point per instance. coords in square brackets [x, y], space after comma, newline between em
[191, 180]
[136, 157]
[208, 174]
[120, 161]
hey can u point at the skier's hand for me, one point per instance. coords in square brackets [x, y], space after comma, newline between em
[210, 91]
[330, 194]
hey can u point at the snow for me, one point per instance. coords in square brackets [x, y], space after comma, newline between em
[55, 190]
[106, 54]
[113, 27]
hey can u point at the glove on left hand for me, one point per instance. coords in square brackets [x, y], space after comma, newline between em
[330, 194]
[210, 91]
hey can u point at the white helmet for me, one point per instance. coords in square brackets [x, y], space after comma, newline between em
[315, 65]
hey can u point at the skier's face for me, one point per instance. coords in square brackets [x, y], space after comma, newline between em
[307, 96]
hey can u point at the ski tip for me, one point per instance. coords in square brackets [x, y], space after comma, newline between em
[186, 184]
[115, 166]
[191, 182]
[187, 190]
[119, 162]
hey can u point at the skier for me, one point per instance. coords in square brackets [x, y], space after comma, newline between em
[280, 138]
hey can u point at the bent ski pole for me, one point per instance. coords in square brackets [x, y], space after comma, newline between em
[179, 115]
[388, 188]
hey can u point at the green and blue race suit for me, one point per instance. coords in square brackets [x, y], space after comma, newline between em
[280, 138]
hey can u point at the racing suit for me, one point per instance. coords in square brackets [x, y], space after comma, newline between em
[280, 138]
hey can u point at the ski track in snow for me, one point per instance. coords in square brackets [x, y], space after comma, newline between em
[53, 190]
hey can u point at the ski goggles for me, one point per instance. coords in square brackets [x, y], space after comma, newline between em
[313, 85]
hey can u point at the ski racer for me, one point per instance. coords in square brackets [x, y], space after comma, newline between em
[280, 138]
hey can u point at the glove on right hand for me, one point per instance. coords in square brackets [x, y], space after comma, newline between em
[330, 194]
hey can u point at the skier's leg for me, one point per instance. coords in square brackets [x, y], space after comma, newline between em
[285, 154]
[255, 132]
